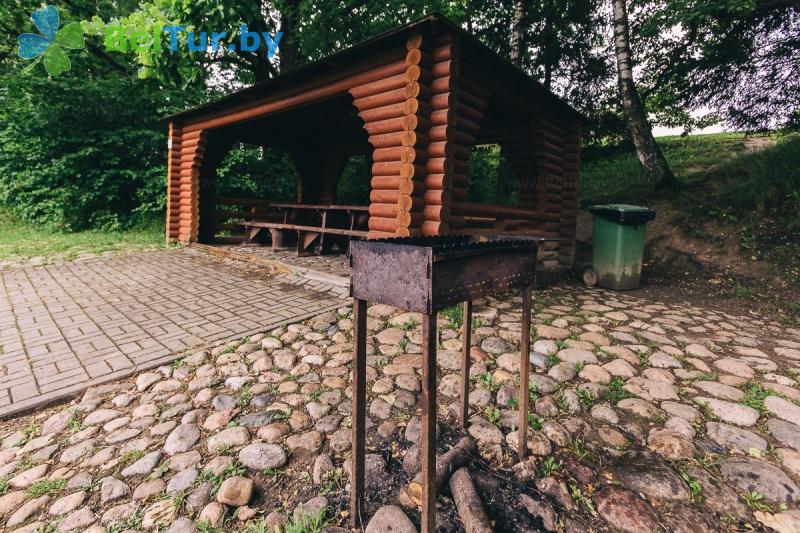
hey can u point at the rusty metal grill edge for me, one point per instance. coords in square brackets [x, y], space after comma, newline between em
[427, 274]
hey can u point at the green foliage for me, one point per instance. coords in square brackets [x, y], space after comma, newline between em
[81, 153]
[755, 501]
[332, 482]
[489, 176]
[694, 486]
[245, 395]
[134, 522]
[204, 526]
[549, 465]
[308, 522]
[616, 391]
[535, 421]
[725, 55]
[253, 172]
[754, 395]
[216, 480]
[492, 414]
[353, 186]
[454, 314]
[586, 398]
[487, 382]
[131, 456]
[178, 500]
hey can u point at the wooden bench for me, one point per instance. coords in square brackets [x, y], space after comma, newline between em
[307, 234]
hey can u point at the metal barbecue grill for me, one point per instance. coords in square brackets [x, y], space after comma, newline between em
[427, 274]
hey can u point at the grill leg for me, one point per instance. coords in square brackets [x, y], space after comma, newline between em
[359, 410]
[524, 364]
[465, 362]
[429, 343]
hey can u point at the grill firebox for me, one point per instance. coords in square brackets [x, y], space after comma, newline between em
[427, 274]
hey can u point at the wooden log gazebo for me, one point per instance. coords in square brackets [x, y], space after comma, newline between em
[415, 100]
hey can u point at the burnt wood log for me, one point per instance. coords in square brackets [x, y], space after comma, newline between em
[468, 502]
[446, 464]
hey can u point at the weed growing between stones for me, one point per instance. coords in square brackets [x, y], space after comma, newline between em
[46, 486]
[549, 465]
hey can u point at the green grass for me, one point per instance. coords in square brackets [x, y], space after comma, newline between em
[19, 241]
[132, 522]
[616, 392]
[612, 173]
[216, 480]
[549, 465]
[694, 486]
[454, 314]
[305, 523]
[754, 396]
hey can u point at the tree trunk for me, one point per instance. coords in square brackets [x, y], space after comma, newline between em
[289, 52]
[547, 45]
[648, 152]
[517, 33]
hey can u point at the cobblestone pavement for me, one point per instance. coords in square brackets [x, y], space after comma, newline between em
[64, 327]
[649, 416]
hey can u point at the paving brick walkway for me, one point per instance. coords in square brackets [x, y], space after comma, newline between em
[63, 328]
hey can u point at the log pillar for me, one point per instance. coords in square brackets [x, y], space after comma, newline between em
[184, 215]
[393, 107]
[457, 105]
[569, 194]
[549, 144]
[173, 182]
[217, 147]
[516, 147]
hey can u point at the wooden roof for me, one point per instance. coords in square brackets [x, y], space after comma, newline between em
[517, 84]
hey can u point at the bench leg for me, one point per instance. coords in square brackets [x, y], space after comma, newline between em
[250, 235]
[305, 239]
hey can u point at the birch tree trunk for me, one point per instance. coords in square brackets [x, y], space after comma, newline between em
[516, 33]
[648, 152]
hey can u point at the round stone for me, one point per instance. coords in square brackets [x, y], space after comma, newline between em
[390, 518]
[235, 491]
[181, 439]
[626, 511]
[261, 456]
[756, 475]
[735, 438]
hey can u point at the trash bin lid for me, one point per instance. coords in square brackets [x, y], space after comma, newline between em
[623, 213]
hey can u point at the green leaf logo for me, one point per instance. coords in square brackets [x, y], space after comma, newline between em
[48, 47]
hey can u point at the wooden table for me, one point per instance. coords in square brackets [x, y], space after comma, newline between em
[308, 233]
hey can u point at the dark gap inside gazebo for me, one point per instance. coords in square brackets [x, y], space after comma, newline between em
[319, 138]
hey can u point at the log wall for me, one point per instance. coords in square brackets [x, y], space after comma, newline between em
[317, 175]
[569, 194]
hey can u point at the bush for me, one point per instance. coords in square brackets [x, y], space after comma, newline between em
[81, 153]
[250, 171]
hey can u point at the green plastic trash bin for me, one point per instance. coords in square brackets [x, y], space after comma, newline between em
[619, 244]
